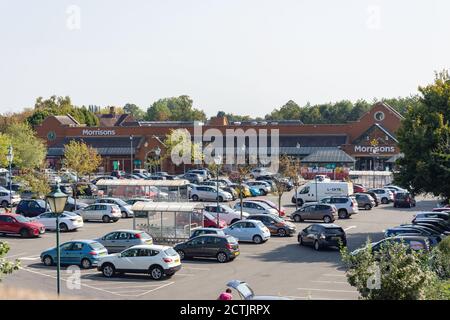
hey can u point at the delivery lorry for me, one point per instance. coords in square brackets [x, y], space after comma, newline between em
[317, 190]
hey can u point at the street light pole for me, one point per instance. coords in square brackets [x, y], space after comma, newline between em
[131, 154]
[10, 157]
[57, 201]
[158, 153]
[218, 161]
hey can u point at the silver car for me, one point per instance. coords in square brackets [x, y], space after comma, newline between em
[209, 193]
[119, 240]
[125, 208]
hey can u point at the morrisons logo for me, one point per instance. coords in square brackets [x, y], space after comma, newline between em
[98, 132]
[370, 149]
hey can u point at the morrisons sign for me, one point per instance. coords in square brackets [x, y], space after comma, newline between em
[370, 149]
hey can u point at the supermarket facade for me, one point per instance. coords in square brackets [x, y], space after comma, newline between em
[369, 143]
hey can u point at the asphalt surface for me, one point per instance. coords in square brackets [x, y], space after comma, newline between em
[278, 267]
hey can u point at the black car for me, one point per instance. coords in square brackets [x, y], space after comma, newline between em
[222, 248]
[423, 227]
[373, 195]
[445, 216]
[413, 243]
[322, 235]
[402, 230]
[31, 207]
[404, 199]
[439, 224]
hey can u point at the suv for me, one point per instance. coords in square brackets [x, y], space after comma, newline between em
[322, 235]
[201, 172]
[404, 199]
[192, 178]
[105, 212]
[31, 208]
[320, 211]
[346, 206]
[125, 208]
[17, 224]
[364, 200]
[222, 248]
[373, 195]
[209, 193]
[384, 195]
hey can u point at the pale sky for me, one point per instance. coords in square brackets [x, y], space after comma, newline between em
[240, 56]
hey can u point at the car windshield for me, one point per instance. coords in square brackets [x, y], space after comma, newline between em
[22, 218]
[41, 203]
[145, 235]
[334, 231]
[96, 246]
[208, 216]
[170, 252]
[244, 290]
[230, 239]
[259, 224]
[120, 202]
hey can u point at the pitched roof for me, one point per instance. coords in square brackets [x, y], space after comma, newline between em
[67, 120]
[329, 155]
[114, 120]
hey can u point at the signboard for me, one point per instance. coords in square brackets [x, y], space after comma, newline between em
[98, 132]
[116, 165]
[330, 166]
[378, 149]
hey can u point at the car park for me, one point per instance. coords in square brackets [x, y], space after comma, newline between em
[395, 189]
[438, 224]
[226, 213]
[157, 261]
[231, 191]
[346, 206]
[275, 224]
[258, 172]
[67, 221]
[119, 240]
[31, 207]
[192, 178]
[119, 174]
[321, 211]
[17, 224]
[249, 230]
[322, 235]
[105, 212]
[358, 188]
[404, 199]
[254, 191]
[125, 208]
[8, 199]
[202, 193]
[424, 228]
[84, 253]
[202, 231]
[86, 189]
[201, 172]
[364, 200]
[314, 191]
[242, 189]
[97, 179]
[384, 195]
[223, 248]
[255, 207]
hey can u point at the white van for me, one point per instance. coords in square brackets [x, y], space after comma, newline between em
[324, 189]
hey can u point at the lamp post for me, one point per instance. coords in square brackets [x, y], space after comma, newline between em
[10, 157]
[158, 153]
[374, 144]
[131, 154]
[217, 161]
[57, 201]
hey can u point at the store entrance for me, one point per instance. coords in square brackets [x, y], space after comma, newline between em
[372, 163]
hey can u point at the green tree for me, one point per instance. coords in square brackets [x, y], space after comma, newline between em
[5, 142]
[174, 109]
[6, 267]
[36, 182]
[424, 141]
[134, 110]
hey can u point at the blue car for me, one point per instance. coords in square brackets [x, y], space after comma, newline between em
[254, 191]
[84, 253]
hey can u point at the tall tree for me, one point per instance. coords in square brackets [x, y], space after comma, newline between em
[134, 110]
[5, 142]
[424, 141]
[175, 109]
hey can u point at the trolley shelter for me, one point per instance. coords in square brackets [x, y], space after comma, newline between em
[168, 222]
[157, 190]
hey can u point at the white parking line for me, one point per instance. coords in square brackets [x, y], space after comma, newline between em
[326, 290]
[348, 228]
[324, 281]
[333, 275]
[30, 258]
[15, 255]
[133, 287]
[165, 285]
[195, 268]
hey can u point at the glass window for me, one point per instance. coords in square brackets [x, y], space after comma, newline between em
[111, 236]
[130, 253]
[77, 246]
[66, 246]
[123, 236]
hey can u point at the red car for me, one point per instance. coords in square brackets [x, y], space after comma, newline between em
[358, 188]
[17, 224]
[209, 221]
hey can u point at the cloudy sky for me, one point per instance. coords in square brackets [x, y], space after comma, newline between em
[240, 56]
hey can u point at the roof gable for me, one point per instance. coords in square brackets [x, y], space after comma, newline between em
[365, 136]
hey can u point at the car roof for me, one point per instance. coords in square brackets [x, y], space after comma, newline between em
[213, 229]
[128, 230]
[150, 246]
[409, 237]
[328, 225]
[104, 204]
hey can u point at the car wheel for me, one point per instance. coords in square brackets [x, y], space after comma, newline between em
[342, 214]
[124, 214]
[86, 263]
[24, 233]
[316, 245]
[297, 218]
[156, 272]
[327, 219]
[395, 205]
[282, 232]
[48, 261]
[257, 239]
[384, 200]
[220, 198]
[181, 254]
[4, 204]
[300, 240]
[106, 219]
[367, 206]
[222, 257]
[63, 227]
[195, 197]
[108, 270]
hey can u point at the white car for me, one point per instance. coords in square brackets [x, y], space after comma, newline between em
[226, 213]
[208, 193]
[263, 186]
[255, 207]
[125, 208]
[105, 212]
[4, 198]
[395, 189]
[67, 221]
[257, 172]
[384, 195]
[154, 260]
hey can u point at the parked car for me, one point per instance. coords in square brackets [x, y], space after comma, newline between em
[192, 178]
[125, 208]
[248, 230]
[84, 253]
[119, 240]
[321, 211]
[384, 195]
[134, 200]
[66, 188]
[415, 243]
[374, 197]
[223, 248]
[404, 199]
[440, 215]
[346, 206]
[204, 231]
[226, 182]
[254, 191]
[438, 224]
[86, 189]
[395, 189]
[433, 238]
[226, 213]
[105, 212]
[257, 172]
[358, 188]
[201, 172]
[5, 199]
[255, 207]
[157, 261]
[119, 174]
[17, 224]
[67, 221]
[364, 201]
[211, 221]
[445, 208]
[263, 186]
[281, 211]
[275, 224]
[322, 235]
[70, 205]
[231, 191]
[246, 293]
[242, 189]
[97, 179]
[31, 207]
[208, 193]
